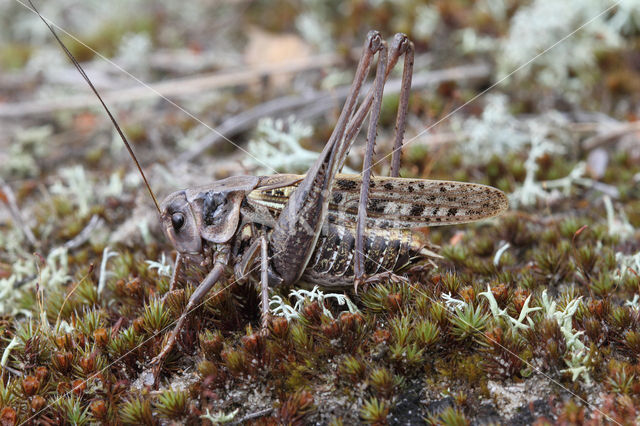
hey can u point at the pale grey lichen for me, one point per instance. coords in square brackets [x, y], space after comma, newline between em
[220, 417]
[280, 307]
[13, 244]
[617, 224]
[133, 53]
[426, 21]
[627, 264]
[143, 227]
[578, 355]
[495, 132]
[313, 29]
[163, 266]
[15, 342]
[532, 190]
[453, 304]
[335, 79]
[577, 366]
[30, 145]
[634, 303]
[107, 254]
[553, 44]
[277, 144]
[472, 42]
[499, 253]
[74, 185]
[544, 23]
[25, 270]
[518, 323]
[55, 271]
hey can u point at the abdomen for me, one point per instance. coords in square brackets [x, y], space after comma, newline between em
[331, 264]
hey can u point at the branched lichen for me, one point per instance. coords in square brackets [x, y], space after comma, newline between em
[277, 144]
[280, 308]
[542, 24]
[618, 225]
[220, 417]
[74, 185]
[163, 266]
[627, 264]
[577, 363]
[502, 313]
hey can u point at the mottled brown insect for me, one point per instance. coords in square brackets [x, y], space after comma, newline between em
[323, 228]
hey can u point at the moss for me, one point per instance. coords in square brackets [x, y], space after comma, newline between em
[374, 411]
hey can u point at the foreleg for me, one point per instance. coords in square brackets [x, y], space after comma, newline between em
[264, 282]
[203, 288]
[242, 271]
[176, 271]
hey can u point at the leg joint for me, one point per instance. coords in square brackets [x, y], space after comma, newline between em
[374, 41]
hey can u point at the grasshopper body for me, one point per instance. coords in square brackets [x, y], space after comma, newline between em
[323, 227]
[237, 210]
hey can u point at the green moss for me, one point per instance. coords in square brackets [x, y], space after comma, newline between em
[374, 411]
[172, 403]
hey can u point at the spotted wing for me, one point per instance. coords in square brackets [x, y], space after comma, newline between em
[397, 202]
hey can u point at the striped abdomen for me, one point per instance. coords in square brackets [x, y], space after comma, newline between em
[331, 264]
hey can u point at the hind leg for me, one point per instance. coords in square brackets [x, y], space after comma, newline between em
[401, 46]
[299, 224]
[407, 73]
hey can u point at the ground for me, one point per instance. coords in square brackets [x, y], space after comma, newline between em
[531, 317]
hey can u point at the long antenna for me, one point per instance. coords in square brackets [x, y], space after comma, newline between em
[113, 120]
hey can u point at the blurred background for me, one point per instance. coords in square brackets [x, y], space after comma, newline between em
[494, 79]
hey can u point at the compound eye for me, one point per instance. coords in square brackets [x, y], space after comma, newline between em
[177, 220]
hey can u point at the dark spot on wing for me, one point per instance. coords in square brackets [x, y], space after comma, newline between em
[388, 186]
[337, 197]
[452, 211]
[416, 210]
[376, 205]
[345, 184]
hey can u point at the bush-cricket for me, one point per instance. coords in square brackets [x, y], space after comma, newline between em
[323, 228]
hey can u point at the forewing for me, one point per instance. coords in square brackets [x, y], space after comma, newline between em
[273, 192]
[397, 202]
[414, 203]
